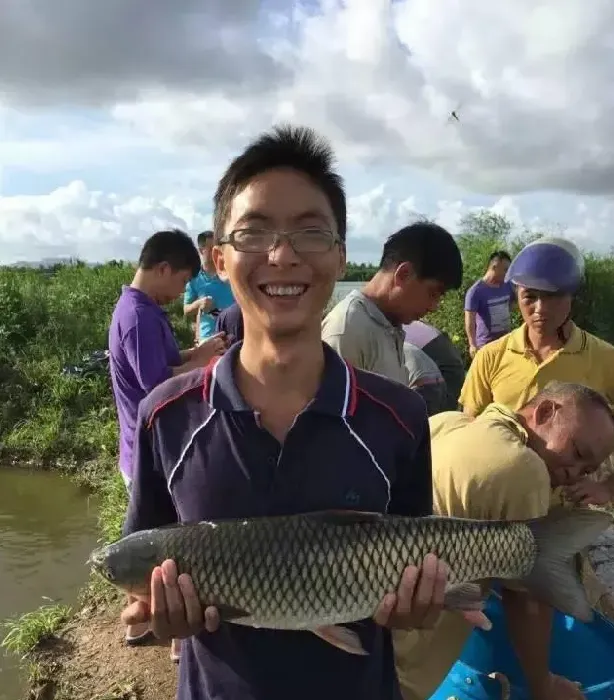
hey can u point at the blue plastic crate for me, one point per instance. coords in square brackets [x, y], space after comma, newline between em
[580, 652]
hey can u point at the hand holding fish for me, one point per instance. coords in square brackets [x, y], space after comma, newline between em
[173, 606]
[419, 600]
[589, 492]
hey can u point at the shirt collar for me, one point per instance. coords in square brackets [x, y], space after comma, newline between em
[138, 295]
[517, 342]
[337, 394]
[373, 310]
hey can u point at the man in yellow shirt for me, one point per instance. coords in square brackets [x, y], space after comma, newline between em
[548, 346]
[505, 465]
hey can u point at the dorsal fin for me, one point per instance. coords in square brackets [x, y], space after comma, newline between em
[344, 517]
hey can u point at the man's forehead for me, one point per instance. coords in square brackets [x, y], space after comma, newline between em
[280, 195]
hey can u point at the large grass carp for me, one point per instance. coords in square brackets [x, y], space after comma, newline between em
[318, 570]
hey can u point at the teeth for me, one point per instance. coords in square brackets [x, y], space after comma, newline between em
[285, 291]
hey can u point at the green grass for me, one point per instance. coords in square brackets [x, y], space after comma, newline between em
[25, 632]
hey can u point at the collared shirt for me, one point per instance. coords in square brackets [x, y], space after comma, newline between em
[142, 351]
[507, 372]
[360, 333]
[204, 285]
[361, 444]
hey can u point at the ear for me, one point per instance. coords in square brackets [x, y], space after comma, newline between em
[217, 255]
[342, 262]
[404, 273]
[163, 269]
[544, 411]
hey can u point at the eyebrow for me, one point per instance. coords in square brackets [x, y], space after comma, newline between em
[255, 215]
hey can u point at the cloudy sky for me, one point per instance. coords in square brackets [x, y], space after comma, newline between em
[118, 117]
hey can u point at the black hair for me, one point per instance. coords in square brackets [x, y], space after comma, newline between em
[499, 255]
[298, 148]
[431, 250]
[173, 247]
[203, 237]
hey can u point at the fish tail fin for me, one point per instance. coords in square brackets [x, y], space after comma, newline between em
[555, 577]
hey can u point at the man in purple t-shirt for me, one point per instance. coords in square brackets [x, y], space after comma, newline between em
[143, 350]
[487, 304]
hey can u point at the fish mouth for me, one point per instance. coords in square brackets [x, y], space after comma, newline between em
[98, 561]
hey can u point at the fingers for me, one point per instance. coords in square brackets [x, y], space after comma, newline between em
[191, 603]
[419, 599]
[428, 600]
[384, 612]
[407, 589]
[175, 609]
[477, 618]
[212, 619]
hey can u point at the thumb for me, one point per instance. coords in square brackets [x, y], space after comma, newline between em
[138, 611]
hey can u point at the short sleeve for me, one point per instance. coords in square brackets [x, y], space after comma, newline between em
[472, 299]
[476, 392]
[150, 503]
[351, 346]
[189, 295]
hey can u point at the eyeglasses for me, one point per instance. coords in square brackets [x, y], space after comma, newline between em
[260, 240]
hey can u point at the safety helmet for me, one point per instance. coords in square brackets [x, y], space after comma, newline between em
[548, 264]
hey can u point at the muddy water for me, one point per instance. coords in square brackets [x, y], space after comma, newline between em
[47, 529]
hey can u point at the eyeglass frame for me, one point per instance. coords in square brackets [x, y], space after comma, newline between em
[282, 234]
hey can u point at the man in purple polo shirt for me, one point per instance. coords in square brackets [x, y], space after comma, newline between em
[487, 304]
[142, 348]
[281, 424]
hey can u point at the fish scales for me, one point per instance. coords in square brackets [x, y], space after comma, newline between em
[288, 572]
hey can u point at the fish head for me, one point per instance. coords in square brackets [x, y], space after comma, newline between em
[128, 563]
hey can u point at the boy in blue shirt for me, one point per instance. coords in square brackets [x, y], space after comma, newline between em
[206, 294]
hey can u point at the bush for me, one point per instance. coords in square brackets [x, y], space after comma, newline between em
[50, 319]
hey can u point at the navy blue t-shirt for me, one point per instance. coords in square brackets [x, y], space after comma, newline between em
[363, 443]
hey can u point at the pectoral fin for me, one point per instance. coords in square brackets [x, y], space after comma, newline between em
[342, 638]
[464, 596]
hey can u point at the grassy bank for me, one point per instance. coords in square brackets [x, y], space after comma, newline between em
[51, 319]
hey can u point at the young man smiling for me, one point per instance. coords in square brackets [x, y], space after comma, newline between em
[280, 425]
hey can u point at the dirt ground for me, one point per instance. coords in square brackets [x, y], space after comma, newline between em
[90, 662]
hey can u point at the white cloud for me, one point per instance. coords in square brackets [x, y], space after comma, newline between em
[531, 85]
[97, 226]
[162, 110]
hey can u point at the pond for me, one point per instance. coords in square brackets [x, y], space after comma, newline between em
[48, 526]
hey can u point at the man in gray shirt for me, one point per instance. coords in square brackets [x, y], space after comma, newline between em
[419, 264]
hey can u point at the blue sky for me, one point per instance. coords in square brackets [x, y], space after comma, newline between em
[107, 134]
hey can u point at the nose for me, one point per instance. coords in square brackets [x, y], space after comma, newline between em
[538, 305]
[282, 254]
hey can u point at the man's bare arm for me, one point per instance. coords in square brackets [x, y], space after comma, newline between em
[529, 623]
[470, 328]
